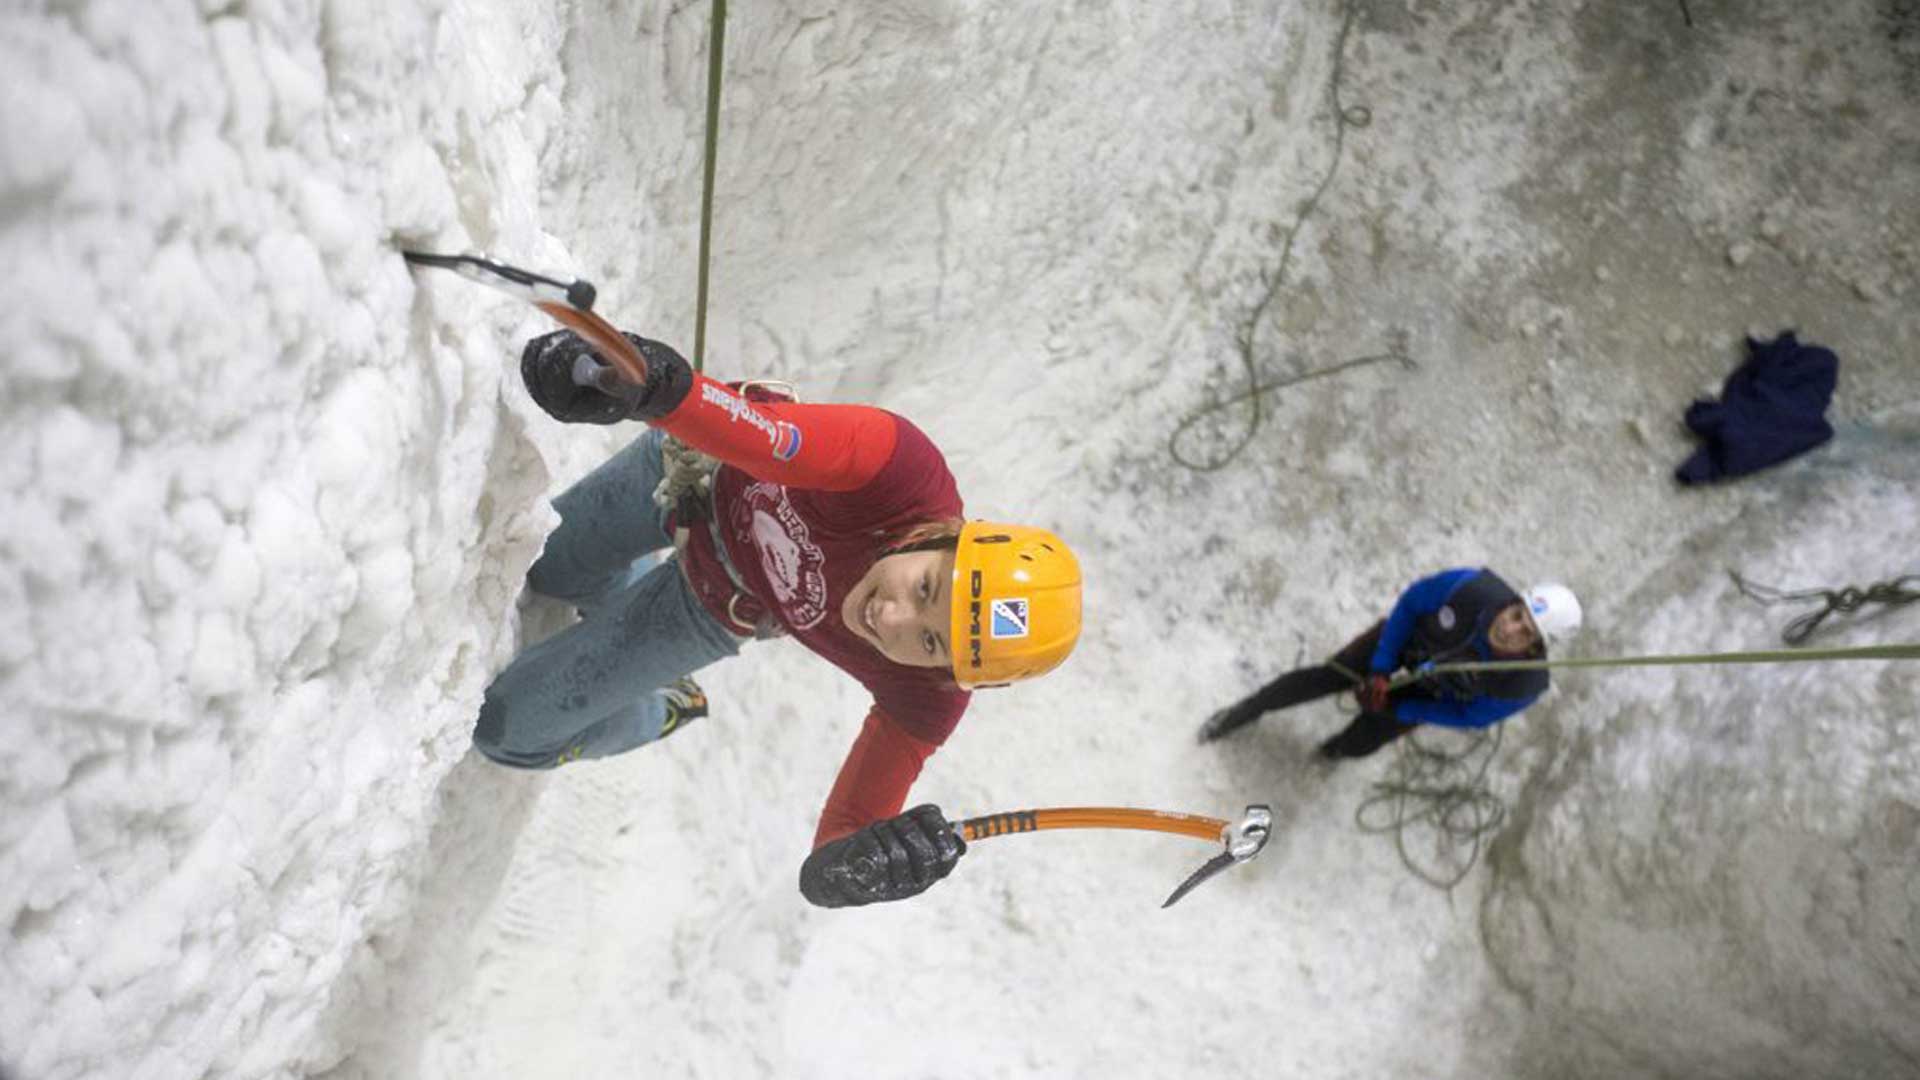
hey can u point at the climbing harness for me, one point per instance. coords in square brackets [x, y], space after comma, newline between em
[1344, 117]
[685, 474]
[685, 490]
[1844, 601]
[1240, 840]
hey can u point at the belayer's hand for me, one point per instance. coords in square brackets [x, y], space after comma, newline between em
[1373, 694]
[556, 365]
[888, 860]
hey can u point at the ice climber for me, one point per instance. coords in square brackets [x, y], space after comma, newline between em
[1454, 616]
[837, 525]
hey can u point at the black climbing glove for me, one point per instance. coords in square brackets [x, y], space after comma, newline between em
[887, 860]
[1230, 719]
[548, 366]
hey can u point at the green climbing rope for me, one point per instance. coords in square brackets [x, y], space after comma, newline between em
[716, 47]
[1444, 791]
[1843, 601]
[1358, 116]
[1762, 656]
[1252, 393]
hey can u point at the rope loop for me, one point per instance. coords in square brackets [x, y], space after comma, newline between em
[1842, 601]
[1443, 793]
[1245, 336]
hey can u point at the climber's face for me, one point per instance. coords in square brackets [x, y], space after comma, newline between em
[902, 605]
[1512, 632]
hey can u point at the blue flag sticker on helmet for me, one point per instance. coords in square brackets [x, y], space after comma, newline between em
[1009, 618]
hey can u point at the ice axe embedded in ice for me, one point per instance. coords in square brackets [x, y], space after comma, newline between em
[569, 304]
[1241, 840]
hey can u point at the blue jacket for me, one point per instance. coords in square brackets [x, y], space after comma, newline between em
[1441, 619]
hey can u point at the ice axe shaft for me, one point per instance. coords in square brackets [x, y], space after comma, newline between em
[1092, 817]
[569, 304]
[1241, 840]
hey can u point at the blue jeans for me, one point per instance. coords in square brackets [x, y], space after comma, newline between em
[588, 691]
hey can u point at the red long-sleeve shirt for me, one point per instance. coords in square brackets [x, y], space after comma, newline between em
[801, 502]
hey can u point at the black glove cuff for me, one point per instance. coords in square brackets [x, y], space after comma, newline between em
[547, 368]
[669, 377]
[888, 860]
[814, 885]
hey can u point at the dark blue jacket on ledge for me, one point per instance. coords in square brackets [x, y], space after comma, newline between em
[1771, 408]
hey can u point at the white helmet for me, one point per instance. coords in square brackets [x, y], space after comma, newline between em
[1554, 609]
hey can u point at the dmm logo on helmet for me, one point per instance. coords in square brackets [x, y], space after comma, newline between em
[974, 587]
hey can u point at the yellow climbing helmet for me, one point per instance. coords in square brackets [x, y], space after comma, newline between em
[1016, 603]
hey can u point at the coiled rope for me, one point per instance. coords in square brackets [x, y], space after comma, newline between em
[1842, 601]
[1245, 339]
[1444, 791]
[1447, 791]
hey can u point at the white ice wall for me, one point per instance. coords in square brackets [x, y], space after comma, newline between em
[262, 520]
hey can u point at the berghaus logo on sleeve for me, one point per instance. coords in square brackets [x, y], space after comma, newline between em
[783, 438]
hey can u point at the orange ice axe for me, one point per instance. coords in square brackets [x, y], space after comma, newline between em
[1240, 840]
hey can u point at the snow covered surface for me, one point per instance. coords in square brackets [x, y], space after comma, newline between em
[269, 497]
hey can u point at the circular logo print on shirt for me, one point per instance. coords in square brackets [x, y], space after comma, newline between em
[1446, 617]
[792, 561]
[778, 554]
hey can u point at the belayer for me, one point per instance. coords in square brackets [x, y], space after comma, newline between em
[837, 525]
[1460, 615]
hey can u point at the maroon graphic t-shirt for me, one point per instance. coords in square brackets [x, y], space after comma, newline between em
[800, 548]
